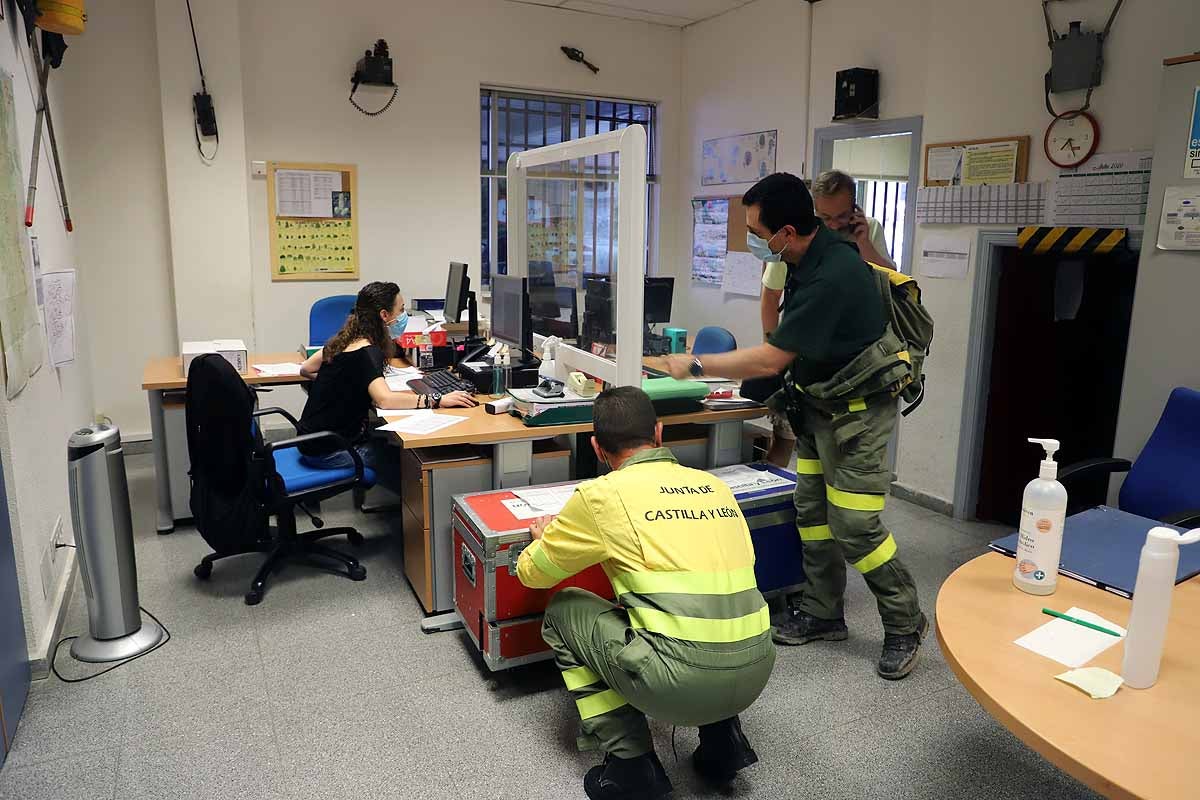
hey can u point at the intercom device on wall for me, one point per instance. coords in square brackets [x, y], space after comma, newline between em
[856, 95]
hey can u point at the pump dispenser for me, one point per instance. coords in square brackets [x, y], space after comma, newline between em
[1152, 605]
[1043, 512]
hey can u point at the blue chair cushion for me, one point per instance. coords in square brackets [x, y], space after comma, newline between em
[1163, 479]
[298, 477]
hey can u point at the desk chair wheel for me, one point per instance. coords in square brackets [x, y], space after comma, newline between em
[357, 572]
[254, 597]
[203, 570]
[355, 538]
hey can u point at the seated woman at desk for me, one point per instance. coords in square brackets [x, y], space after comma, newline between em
[347, 377]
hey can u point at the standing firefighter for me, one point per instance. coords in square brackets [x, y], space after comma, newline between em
[690, 643]
[848, 340]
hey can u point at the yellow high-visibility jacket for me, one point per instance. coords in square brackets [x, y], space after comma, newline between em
[674, 544]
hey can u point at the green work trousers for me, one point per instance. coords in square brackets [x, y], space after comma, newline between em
[619, 675]
[842, 480]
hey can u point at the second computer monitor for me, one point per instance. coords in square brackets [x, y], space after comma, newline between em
[458, 285]
[657, 300]
[511, 322]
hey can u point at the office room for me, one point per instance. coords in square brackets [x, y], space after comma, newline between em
[329, 473]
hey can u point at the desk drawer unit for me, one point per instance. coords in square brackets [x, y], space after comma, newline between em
[501, 615]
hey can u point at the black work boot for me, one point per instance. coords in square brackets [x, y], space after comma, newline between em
[723, 750]
[801, 628]
[900, 650]
[641, 778]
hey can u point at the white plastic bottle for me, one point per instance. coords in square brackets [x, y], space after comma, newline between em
[1043, 511]
[1152, 605]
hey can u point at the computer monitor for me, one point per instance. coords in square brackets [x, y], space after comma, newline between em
[458, 287]
[511, 323]
[541, 273]
[554, 311]
[657, 301]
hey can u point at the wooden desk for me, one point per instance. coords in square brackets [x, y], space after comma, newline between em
[1136, 744]
[162, 375]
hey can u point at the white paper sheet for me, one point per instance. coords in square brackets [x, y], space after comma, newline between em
[944, 164]
[1071, 644]
[944, 255]
[741, 478]
[521, 509]
[305, 193]
[422, 423]
[743, 274]
[1110, 190]
[389, 413]
[59, 291]
[277, 369]
[1179, 226]
[546, 499]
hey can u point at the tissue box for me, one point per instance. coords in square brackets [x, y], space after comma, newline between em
[232, 350]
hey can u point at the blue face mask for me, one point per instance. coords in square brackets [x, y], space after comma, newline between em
[396, 327]
[760, 248]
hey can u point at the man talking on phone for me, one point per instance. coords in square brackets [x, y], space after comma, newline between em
[833, 194]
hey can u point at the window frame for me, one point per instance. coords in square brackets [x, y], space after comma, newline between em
[492, 171]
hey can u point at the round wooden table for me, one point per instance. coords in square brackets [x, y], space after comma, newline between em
[1138, 743]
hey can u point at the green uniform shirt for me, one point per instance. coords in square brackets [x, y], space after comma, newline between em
[832, 309]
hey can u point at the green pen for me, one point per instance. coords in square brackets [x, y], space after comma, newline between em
[1084, 623]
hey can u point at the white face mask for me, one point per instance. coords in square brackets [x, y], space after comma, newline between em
[760, 248]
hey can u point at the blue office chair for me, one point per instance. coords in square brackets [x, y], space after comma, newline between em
[1162, 481]
[239, 481]
[713, 339]
[327, 315]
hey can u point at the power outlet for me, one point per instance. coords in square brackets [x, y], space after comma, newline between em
[258, 169]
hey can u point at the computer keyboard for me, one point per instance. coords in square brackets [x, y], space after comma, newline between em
[440, 381]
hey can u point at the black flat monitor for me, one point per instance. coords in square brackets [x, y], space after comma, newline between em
[656, 304]
[511, 322]
[458, 286]
[554, 311]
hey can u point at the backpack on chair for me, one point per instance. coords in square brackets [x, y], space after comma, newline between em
[911, 322]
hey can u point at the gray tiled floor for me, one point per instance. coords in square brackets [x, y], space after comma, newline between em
[329, 690]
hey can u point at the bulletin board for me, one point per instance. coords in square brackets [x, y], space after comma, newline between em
[718, 228]
[313, 218]
[977, 162]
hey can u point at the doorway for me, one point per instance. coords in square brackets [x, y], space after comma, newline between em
[884, 158]
[1049, 337]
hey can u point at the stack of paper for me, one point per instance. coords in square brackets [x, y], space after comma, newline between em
[741, 478]
[546, 499]
[277, 370]
[422, 423]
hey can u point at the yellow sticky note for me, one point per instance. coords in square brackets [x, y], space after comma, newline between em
[1096, 681]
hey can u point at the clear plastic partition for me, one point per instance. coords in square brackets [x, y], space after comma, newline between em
[579, 241]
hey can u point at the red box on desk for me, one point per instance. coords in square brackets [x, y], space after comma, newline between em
[502, 616]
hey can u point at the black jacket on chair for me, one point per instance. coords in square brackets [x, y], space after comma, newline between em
[227, 486]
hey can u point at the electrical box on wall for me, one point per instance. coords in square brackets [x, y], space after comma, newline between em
[1076, 60]
[856, 95]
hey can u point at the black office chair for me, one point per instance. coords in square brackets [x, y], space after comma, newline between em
[239, 481]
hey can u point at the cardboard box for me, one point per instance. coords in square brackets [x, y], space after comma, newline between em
[232, 350]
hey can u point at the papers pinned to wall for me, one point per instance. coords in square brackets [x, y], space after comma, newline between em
[742, 274]
[710, 239]
[944, 255]
[59, 309]
[313, 219]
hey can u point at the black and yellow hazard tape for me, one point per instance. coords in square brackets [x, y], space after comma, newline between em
[1041, 240]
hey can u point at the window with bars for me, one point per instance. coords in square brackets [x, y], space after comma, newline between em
[577, 216]
[885, 201]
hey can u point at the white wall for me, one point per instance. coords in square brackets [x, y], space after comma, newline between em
[971, 68]
[279, 74]
[35, 425]
[111, 118]
[743, 71]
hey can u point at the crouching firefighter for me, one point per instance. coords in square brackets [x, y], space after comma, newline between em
[851, 341]
[690, 642]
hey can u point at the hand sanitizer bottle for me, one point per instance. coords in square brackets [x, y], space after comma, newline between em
[1043, 511]
[1152, 605]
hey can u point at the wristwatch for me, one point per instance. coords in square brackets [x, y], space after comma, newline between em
[696, 369]
[435, 400]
